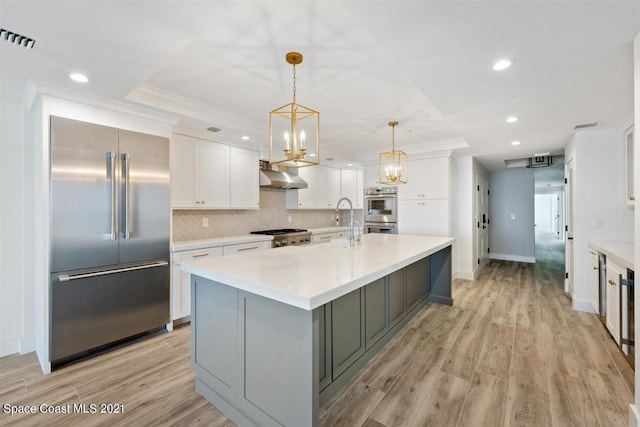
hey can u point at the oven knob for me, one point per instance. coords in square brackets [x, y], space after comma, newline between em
[277, 243]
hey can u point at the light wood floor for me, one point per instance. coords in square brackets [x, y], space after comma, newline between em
[511, 351]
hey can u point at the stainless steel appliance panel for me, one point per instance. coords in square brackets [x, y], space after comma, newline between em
[143, 197]
[89, 312]
[84, 174]
[381, 227]
[381, 204]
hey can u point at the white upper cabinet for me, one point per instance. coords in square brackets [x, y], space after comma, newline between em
[351, 186]
[212, 172]
[371, 176]
[245, 185]
[201, 175]
[426, 179]
[322, 192]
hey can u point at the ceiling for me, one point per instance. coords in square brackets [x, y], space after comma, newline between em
[425, 64]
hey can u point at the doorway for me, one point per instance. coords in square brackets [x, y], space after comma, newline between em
[482, 220]
[550, 216]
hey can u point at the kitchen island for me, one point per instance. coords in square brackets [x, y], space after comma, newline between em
[277, 333]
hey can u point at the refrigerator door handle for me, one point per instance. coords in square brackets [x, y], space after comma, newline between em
[69, 277]
[126, 233]
[111, 160]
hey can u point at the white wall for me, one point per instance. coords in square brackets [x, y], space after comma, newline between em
[11, 155]
[600, 207]
[466, 240]
[511, 210]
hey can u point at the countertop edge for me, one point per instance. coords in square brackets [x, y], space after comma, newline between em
[619, 252]
[188, 245]
[315, 301]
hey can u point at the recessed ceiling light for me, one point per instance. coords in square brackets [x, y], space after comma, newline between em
[312, 155]
[512, 119]
[78, 77]
[515, 143]
[349, 164]
[502, 64]
[246, 138]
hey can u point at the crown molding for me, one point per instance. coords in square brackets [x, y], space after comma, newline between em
[34, 90]
[188, 108]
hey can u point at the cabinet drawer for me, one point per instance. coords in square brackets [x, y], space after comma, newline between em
[184, 256]
[247, 247]
[322, 238]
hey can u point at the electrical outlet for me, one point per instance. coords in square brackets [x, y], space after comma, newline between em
[289, 218]
[205, 222]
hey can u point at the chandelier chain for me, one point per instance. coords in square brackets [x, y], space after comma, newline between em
[294, 83]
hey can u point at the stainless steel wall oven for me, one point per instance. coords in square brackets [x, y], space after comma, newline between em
[381, 210]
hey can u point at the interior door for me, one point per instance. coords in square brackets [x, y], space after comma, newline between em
[83, 195]
[569, 226]
[144, 197]
[482, 219]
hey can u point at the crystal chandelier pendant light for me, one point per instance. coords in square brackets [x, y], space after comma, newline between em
[294, 130]
[393, 164]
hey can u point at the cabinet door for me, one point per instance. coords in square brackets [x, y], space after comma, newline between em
[212, 189]
[313, 196]
[348, 183]
[413, 285]
[324, 346]
[183, 154]
[181, 280]
[595, 282]
[423, 286]
[245, 185]
[413, 189]
[359, 196]
[435, 179]
[371, 176]
[332, 188]
[375, 312]
[613, 300]
[410, 214]
[435, 217]
[347, 329]
[397, 302]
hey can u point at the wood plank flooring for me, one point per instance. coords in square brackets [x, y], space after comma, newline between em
[510, 352]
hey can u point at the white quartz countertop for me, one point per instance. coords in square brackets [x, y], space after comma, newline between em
[311, 275]
[621, 253]
[188, 245]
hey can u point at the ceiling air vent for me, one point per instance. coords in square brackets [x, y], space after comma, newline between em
[585, 125]
[213, 129]
[17, 39]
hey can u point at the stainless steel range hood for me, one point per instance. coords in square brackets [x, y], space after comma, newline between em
[278, 179]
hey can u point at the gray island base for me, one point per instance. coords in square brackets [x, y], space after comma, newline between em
[265, 362]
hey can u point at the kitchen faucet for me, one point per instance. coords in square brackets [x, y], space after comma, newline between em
[351, 233]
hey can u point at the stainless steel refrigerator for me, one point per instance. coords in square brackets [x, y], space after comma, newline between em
[109, 236]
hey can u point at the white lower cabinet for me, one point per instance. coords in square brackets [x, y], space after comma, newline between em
[612, 319]
[246, 247]
[181, 306]
[424, 217]
[181, 280]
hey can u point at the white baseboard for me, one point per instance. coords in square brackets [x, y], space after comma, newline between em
[583, 305]
[634, 416]
[517, 258]
[8, 347]
[466, 275]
